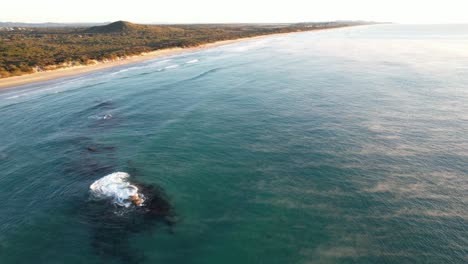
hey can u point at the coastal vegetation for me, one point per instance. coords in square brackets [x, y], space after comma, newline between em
[27, 50]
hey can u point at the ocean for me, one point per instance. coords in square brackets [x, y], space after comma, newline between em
[338, 146]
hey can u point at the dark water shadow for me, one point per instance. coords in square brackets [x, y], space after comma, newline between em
[91, 159]
[111, 227]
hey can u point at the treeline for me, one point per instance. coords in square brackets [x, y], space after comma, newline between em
[42, 49]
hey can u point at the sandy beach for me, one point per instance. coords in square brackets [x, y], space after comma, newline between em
[75, 70]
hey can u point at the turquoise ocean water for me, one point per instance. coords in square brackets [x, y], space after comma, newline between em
[338, 146]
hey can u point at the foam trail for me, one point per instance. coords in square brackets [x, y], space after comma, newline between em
[121, 71]
[116, 187]
[192, 61]
[33, 92]
[101, 117]
[171, 67]
[159, 62]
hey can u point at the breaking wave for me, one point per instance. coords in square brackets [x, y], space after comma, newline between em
[118, 189]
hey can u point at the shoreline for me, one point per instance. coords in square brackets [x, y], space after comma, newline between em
[37, 77]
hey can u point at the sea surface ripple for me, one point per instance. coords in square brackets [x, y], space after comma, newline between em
[338, 146]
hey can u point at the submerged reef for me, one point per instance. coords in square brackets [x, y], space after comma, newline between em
[119, 206]
[118, 209]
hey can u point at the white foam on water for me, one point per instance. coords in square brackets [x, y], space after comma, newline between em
[156, 62]
[34, 92]
[164, 61]
[54, 89]
[120, 71]
[117, 188]
[192, 61]
[171, 66]
[101, 117]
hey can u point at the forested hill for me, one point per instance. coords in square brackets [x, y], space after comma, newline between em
[25, 50]
[122, 27]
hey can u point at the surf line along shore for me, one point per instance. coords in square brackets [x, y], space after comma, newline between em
[14, 81]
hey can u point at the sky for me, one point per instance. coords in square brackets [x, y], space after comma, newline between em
[235, 11]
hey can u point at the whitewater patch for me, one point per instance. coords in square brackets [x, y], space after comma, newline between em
[192, 61]
[101, 117]
[121, 71]
[54, 88]
[159, 62]
[118, 189]
[171, 66]
[129, 69]
[35, 92]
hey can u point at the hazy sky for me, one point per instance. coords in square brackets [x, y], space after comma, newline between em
[221, 11]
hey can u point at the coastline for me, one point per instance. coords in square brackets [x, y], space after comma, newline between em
[11, 82]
